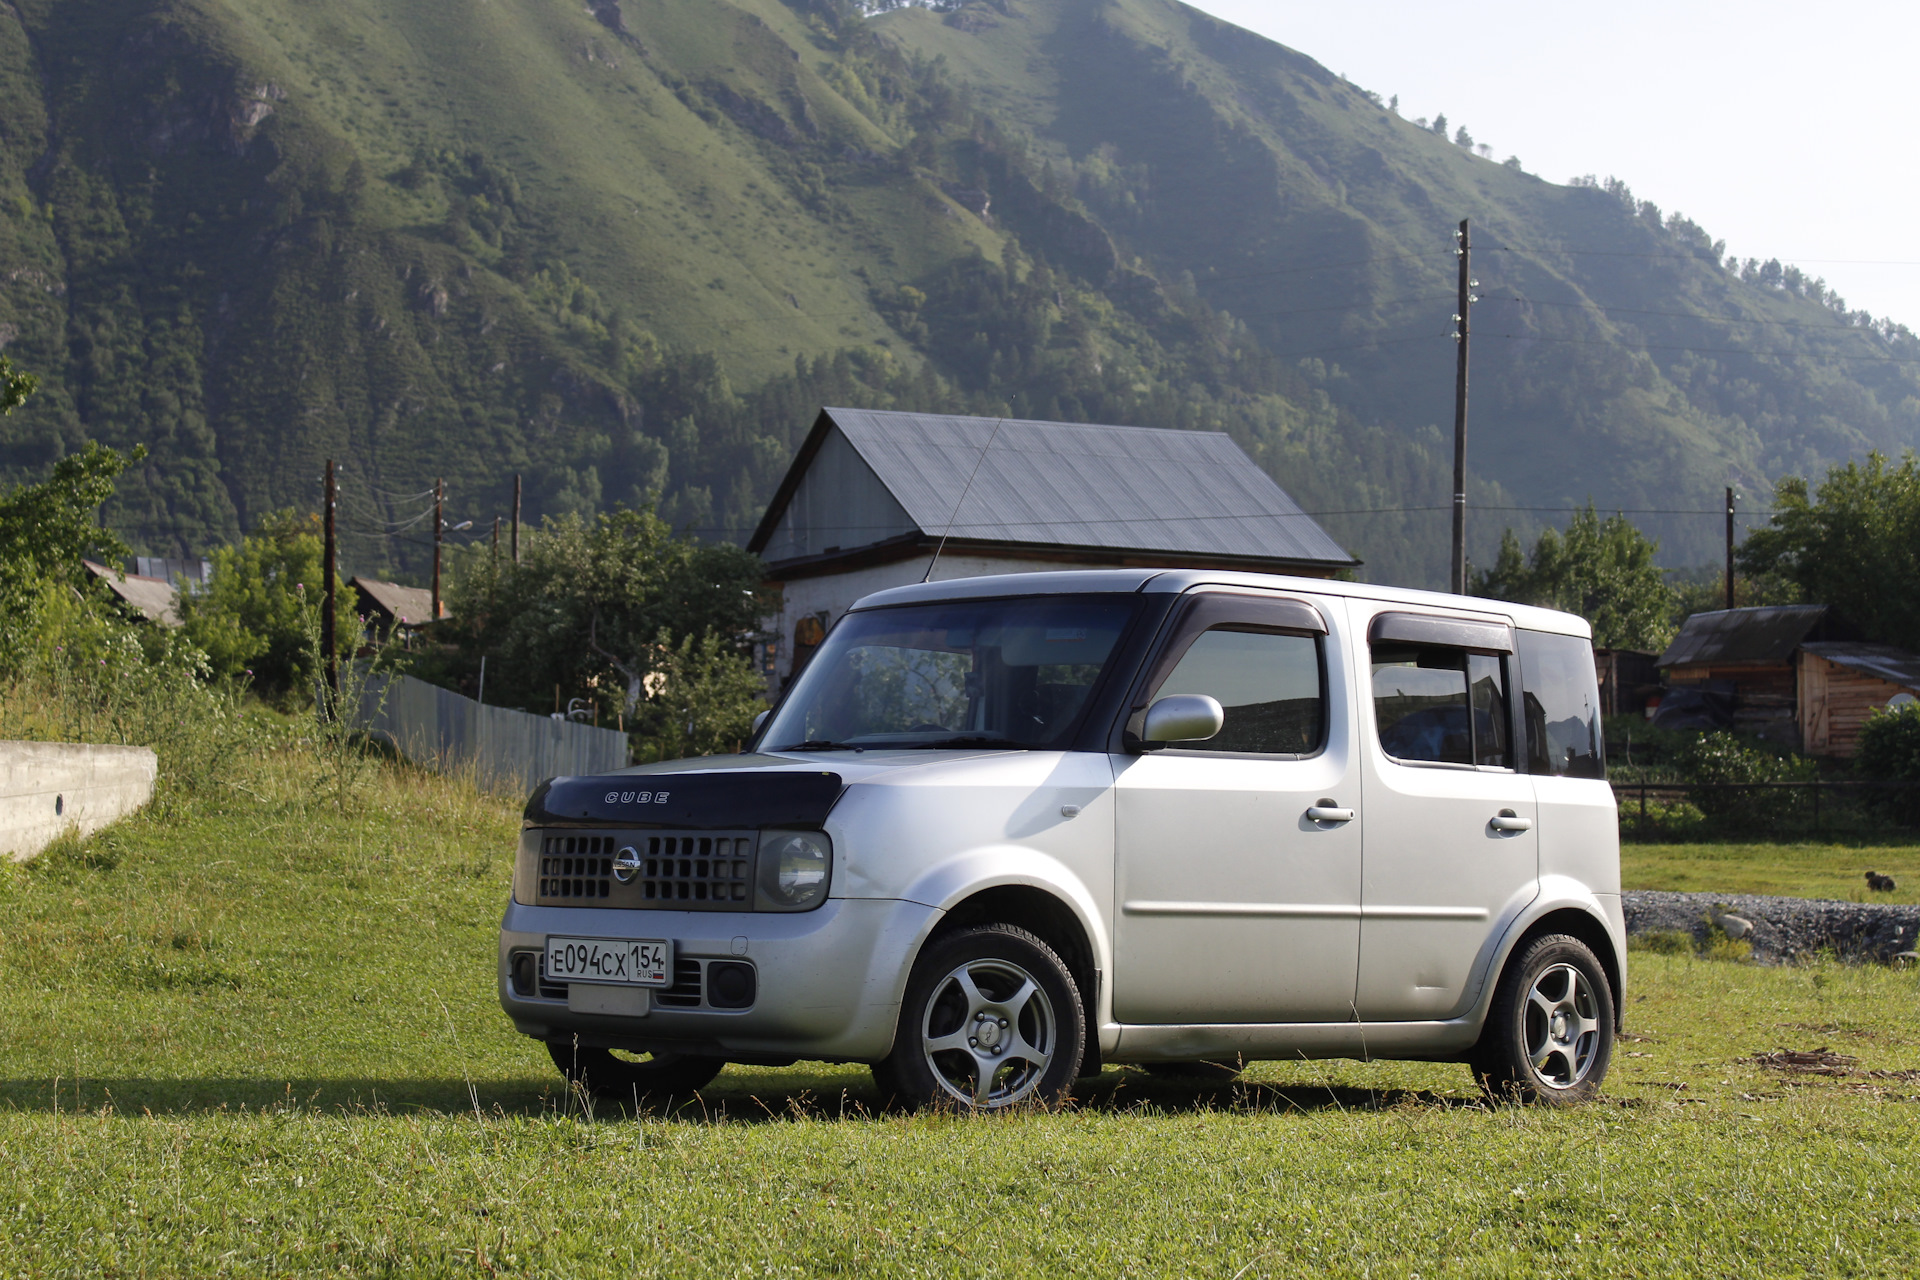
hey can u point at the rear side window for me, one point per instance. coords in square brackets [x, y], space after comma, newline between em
[1440, 705]
[1268, 683]
[1562, 705]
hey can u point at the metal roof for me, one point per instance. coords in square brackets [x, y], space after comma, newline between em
[1768, 634]
[1070, 485]
[410, 606]
[155, 598]
[1896, 666]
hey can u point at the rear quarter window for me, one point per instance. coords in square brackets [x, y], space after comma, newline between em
[1562, 705]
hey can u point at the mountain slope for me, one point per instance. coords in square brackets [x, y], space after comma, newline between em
[626, 247]
[1298, 203]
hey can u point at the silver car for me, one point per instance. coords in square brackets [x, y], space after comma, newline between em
[1004, 831]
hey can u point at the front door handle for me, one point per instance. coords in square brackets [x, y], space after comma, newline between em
[1508, 820]
[1327, 811]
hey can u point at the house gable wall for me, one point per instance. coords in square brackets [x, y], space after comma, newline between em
[839, 504]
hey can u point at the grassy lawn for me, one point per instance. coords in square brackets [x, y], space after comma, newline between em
[1800, 870]
[260, 1037]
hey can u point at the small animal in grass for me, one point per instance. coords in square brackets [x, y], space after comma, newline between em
[1879, 883]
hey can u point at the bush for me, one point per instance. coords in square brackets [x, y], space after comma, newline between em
[252, 616]
[700, 701]
[1890, 752]
[90, 675]
[46, 530]
[1719, 758]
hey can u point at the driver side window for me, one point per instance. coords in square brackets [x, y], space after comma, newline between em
[1268, 682]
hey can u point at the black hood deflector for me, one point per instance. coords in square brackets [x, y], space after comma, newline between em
[725, 801]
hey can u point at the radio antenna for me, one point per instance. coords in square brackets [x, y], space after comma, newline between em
[954, 514]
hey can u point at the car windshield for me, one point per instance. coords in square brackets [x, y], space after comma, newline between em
[963, 673]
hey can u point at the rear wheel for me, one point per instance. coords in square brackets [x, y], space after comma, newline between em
[1549, 1034]
[992, 1018]
[638, 1078]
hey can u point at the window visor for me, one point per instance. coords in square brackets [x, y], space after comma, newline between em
[1455, 633]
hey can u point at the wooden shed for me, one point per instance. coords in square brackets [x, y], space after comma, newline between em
[1628, 677]
[1841, 683]
[1751, 655]
[388, 608]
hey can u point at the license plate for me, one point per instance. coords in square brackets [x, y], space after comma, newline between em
[639, 962]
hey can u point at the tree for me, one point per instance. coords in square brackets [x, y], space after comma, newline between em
[699, 699]
[1463, 139]
[1603, 570]
[1850, 544]
[1440, 124]
[15, 387]
[255, 612]
[593, 610]
[46, 530]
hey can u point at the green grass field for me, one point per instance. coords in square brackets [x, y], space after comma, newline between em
[1800, 870]
[259, 1037]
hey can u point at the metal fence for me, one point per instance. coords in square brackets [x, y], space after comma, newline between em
[1656, 810]
[507, 750]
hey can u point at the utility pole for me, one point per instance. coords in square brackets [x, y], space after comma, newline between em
[496, 543]
[1729, 546]
[514, 545]
[1465, 251]
[329, 655]
[439, 531]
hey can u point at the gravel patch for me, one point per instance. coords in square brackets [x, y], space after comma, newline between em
[1783, 929]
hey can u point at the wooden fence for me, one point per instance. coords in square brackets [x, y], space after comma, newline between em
[507, 750]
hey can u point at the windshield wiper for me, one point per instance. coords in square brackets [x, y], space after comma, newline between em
[820, 744]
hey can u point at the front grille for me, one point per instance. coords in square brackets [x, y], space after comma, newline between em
[576, 867]
[672, 870]
[685, 869]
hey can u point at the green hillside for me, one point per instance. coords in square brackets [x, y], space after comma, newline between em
[627, 247]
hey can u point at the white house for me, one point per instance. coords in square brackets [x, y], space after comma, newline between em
[872, 497]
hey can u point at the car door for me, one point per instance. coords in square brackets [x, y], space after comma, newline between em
[1451, 847]
[1234, 905]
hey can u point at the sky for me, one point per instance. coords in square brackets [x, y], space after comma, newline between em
[1784, 129]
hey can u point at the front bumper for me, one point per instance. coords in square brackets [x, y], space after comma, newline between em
[830, 981]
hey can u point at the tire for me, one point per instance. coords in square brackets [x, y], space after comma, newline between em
[657, 1078]
[992, 1019]
[1548, 1039]
[1202, 1071]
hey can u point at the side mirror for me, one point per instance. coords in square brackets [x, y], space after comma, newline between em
[1183, 717]
[760, 720]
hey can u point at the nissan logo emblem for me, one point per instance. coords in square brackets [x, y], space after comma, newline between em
[626, 864]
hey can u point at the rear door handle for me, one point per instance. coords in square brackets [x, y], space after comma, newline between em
[1508, 820]
[1328, 813]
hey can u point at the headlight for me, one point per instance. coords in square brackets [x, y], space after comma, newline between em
[794, 867]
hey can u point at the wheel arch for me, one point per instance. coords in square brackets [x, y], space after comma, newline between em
[1053, 920]
[1587, 928]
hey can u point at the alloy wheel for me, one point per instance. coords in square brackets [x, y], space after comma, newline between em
[989, 1033]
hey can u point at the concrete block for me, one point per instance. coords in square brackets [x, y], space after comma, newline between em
[49, 788]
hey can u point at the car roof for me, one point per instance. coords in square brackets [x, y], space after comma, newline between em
[1155, 581]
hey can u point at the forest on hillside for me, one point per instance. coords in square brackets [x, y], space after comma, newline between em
[628, 251]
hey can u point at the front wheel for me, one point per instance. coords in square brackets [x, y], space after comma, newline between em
[637, 1078]
[1549, 1034]
[992, 1018]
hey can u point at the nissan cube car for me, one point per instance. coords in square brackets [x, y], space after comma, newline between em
[1003, 831]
